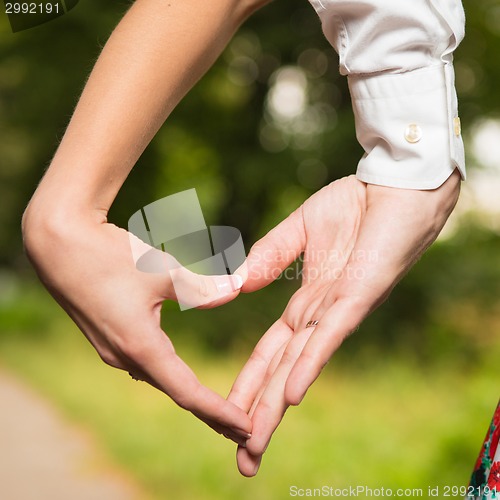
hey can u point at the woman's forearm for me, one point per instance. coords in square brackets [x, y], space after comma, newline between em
[154, 56]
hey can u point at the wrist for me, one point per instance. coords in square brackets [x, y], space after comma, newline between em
[439, 200]
[51, 221]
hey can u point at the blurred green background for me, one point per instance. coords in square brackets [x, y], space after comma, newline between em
[404, 403]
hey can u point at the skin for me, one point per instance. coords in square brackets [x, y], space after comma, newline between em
[357, 241]
[155, 55]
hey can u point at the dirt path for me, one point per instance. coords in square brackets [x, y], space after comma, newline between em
[43, 457]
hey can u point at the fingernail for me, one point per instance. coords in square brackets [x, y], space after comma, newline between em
[228, 284]
[242, 271]
[223, 284]
[236, 439]
[241, 432]
[302, 396]
[238, 281]
[256, 468]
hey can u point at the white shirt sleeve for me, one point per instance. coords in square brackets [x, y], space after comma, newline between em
[398, 56]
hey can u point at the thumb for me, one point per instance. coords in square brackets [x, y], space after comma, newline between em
[273, 253]
[192, 290]
[171, 280]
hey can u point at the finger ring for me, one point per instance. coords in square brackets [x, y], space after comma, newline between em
[312, 323]
[133, 377]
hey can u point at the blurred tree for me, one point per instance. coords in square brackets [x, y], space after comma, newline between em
[250, 160]
[269, 124]
[240, 137]
[476, 61]
[42, 71]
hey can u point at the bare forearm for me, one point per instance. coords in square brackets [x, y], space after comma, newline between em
[155, 55]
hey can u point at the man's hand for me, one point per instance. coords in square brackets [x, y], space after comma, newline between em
[357, 242]
[87, 266]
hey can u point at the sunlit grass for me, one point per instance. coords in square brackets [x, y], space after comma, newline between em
[386, 422]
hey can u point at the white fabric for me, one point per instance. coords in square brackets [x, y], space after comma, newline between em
[398, 55]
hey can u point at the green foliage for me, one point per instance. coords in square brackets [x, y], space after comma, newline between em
[251, 169]
[422, 365]
[477, 61]
[445, 309]
[381, 421]
[214, 141]
[447, 306]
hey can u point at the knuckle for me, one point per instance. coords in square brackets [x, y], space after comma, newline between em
[135, 348]
[292, 400]
[185, 400]
[288, 358]
[109, 358]
[267, 407]
[257, 357]
[312, 360]
[355, 305]
[256, 449]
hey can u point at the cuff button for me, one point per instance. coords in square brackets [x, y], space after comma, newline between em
[457, 127]
[413, 133]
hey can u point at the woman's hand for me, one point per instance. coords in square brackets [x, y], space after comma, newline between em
[158, 51]
[357, 242]
[87, 266]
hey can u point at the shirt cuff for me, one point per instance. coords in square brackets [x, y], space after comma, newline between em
[408, 125]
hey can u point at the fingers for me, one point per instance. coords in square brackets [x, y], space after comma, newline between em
[272, 405]
[334, 326]
[252, 376]
[390, 239]
[386, 236]
[230, 434]
[171, 280]
[203, 292]
[156, 358]
[252, 382]
[234, 434]
[248, 464]
[302, 360]
[275, 251]
[193, 290]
